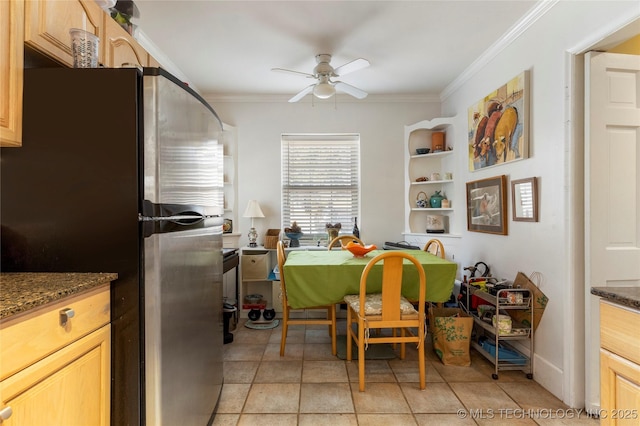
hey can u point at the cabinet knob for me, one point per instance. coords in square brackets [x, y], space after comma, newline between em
[5, 413]
[65, 315]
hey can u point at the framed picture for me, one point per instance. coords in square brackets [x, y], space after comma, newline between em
[487, 205]
[227, 226]
[524, 199]
[499, 125]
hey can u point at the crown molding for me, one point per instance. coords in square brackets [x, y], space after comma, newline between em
[502, 43]
[339, 99]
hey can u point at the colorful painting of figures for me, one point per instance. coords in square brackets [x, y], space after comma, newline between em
[498, 125]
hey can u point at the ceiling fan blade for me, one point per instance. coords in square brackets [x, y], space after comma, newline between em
[286, 71]
[355, 65]
[349, 89]
[302, 93]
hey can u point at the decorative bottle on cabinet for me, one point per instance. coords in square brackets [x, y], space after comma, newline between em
[356, 231]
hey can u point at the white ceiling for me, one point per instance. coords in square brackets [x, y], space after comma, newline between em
[227, 48]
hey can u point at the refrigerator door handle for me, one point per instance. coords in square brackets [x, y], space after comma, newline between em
[187, 218]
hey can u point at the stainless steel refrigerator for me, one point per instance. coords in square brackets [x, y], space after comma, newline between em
[121, 171]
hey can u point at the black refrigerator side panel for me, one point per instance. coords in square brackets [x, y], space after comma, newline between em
[70, 199]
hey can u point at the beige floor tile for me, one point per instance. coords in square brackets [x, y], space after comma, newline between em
[407, 371]
[273, 398]
[530, 395]
[226, 419]
[268, 420]
[325, 398]
[244, 335]
[240, 371]
[436, 398]
[232, 398]
[295, 334]
[317, 335]
[443, 419]
[483, 395]
[292, 352]
[328, 419]
[324, 372]
[571, 417]
[452, 373]
[386, 420]
[243, 352]
[375, 371]
[379, 398]
[318, 352]
[279, 372]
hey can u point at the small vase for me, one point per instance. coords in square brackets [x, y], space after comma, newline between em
[436, 200]
[333, 233]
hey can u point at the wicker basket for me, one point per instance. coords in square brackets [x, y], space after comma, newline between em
[271, 238]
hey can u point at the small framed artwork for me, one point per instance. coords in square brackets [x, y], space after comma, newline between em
[227, 226]
[487, 205]
[524, 199]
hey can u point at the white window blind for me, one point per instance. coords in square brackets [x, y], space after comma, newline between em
[320, 181]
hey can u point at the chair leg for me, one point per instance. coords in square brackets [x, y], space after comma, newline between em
[349, 335]
[332, 330]
[421, 360]
[285, 326]
[361, 354]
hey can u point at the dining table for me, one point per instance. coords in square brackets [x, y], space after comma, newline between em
[318, 278]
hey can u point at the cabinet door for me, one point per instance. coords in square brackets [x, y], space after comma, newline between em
[11, 66]
[120, 48]
[47, 24]
[620, 390]
[69, 387]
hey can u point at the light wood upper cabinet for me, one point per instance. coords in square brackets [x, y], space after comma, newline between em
[47, 24]
[120, 47]
[11, 71]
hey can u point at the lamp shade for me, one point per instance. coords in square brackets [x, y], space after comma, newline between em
[253, 210]
[324, 90]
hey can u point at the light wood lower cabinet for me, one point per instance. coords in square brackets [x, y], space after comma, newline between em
[55, 363]
[619, 365]
[69, 387]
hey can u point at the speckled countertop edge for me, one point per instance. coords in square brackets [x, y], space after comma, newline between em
[626, 296]
[20, 292]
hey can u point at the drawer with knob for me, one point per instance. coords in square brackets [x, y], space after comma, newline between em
[38, 333]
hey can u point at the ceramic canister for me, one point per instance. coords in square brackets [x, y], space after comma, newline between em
[437, 141]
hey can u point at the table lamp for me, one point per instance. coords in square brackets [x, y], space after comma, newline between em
[253, 211]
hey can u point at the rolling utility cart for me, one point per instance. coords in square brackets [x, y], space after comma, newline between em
[495, 330]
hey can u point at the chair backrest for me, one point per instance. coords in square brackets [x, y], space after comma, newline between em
[392, 270]
[435, 247]
[343, 240]
[282, 257]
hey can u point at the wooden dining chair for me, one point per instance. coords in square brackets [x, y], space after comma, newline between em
[388, 309]
[435, 247]
[286, 309]
[343, 240]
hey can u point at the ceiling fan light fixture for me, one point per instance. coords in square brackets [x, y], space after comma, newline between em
[324, 90]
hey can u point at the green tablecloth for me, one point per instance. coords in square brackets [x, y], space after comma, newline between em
[316, 278]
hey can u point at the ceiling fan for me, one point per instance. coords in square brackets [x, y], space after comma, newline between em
[324, 72]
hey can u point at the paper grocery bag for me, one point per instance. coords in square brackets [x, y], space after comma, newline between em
[539, 302]
[451, 335]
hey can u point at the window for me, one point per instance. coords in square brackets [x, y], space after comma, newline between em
[320, 181]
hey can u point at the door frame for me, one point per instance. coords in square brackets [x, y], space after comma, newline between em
[574, 360]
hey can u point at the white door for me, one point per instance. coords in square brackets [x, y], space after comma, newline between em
[612, 191]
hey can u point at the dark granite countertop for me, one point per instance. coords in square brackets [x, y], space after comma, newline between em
[626, 296]
[20, 292]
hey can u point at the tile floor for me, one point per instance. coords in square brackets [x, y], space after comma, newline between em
[309, 386]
